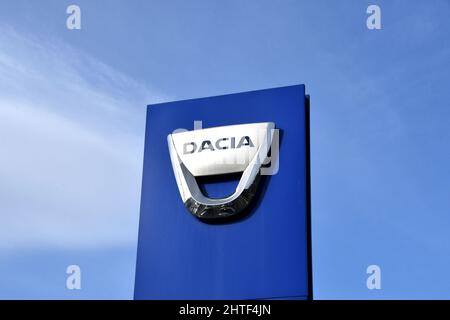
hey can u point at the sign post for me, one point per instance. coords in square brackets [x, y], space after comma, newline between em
[225, 210]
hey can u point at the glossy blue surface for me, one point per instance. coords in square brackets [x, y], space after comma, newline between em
[263, 255]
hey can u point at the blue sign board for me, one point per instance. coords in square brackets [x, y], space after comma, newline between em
[263, 254]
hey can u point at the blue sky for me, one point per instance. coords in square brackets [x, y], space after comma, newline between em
[72, 107]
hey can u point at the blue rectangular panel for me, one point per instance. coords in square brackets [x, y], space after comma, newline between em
[266, 254]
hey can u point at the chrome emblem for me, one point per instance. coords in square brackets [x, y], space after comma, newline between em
[217, 151]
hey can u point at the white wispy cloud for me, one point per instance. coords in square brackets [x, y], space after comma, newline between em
[71, 146]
